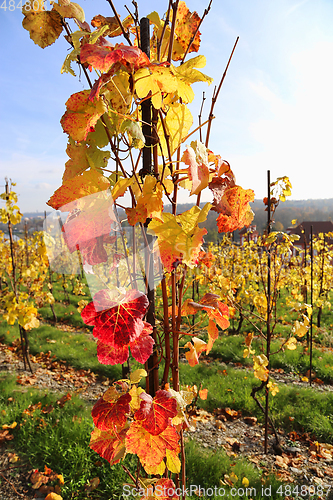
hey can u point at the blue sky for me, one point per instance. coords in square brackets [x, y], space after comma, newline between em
[275, 110]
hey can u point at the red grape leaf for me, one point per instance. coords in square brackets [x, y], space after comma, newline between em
[109, 444]
[142, 347]
[88, 183]
[103, 57]
[107, 414]
[154, 414]
[151, 449]
[88, 229]
[81, 115]
[116, 322]
[110, 355]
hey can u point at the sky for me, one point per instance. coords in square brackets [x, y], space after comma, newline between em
[275, 109]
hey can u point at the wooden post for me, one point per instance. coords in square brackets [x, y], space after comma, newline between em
[311, 295]
[268, 324]
[152, 381]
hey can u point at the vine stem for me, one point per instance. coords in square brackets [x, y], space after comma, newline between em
[216, 94]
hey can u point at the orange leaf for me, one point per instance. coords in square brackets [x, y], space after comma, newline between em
[109, 444]
[196, 156]
[151, 449]
[196, 349]
[81, 115]
[77, 187]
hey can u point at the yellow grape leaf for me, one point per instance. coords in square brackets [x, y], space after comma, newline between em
[89, 182]
[179, 237]
[186, 25]
[121, 186]
[78, 161]
[135, 402]
[196, 349]
[300, 328]
[177, 122]
[159, 27]
[81, 115]
[67, 64]
[172, 461]
[187, 75]
[260, 303]
[69, 10]
[149, 202]
[154, 80]
[273, 388]
[291, 344]
[118, 92]
[44, 26]
[112, 25]
[154, 469]
[259, 366]
[137, 375]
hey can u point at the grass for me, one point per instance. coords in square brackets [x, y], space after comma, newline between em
[78, 350]
[310, 411]
[59, 440]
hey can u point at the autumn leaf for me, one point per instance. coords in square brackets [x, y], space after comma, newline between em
[81, 115]
[73, 189]
[186, 25]
[154, 81]
[179, 237]
[203, 393]
[197, 158]
[112, 23]
[141, 348]
[291, 344]
[259, 367]
[44, 26]
[154, 414]
[151, 449]
[232, 203]
[107, 414]
[88, 228]
[149, 202]
[69, 10]
[196, 349]
[116, 322]
[53, 496]
[109, 444]
[104, 57]
[177, 123]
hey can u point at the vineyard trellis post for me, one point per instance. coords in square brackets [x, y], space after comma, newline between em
[311, 296]
[268, 325]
